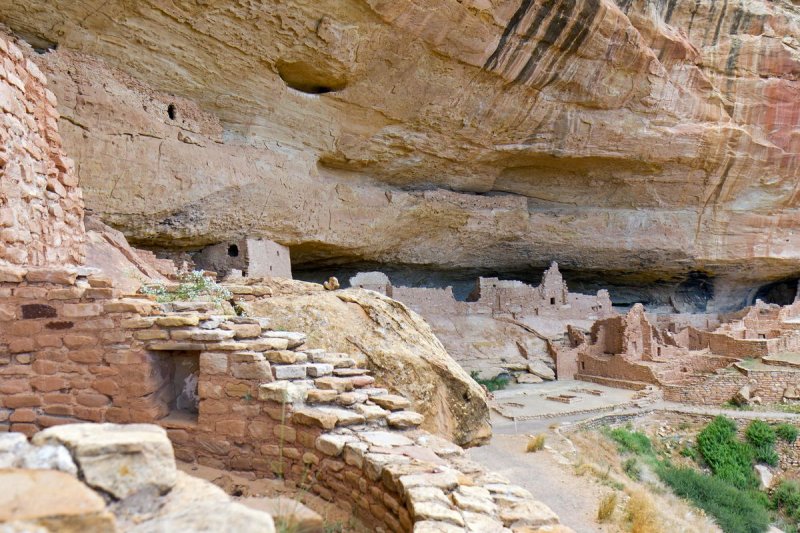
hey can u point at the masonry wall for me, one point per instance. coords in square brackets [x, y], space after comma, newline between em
[41, 206]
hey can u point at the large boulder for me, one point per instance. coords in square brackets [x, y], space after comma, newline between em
[48, 500]
[118, 459]
[397, 345]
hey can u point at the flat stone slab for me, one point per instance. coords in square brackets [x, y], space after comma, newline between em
[392, 402]
[386, 439]
[288, 512]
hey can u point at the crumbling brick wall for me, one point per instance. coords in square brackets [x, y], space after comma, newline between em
[41, 207]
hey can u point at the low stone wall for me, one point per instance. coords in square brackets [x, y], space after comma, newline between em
[714, 390]
[264, 401]
[41, 206]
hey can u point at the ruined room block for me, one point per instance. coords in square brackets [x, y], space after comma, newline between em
[255, 258]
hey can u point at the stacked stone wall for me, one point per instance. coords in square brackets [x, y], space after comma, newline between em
[41, 206]
[74, 349]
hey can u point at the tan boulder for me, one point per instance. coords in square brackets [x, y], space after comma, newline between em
[55, 501]
[397, 346]
[118, 459]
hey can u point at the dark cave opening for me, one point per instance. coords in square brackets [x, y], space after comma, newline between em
[172, 111]
[781, 292]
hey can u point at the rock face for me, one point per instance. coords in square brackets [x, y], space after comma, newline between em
[499, 134]
[398, 347]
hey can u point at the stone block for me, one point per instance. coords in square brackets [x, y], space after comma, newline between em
[282, 392]
[118, 459]
[289, 371]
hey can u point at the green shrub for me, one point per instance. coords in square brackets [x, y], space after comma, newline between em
[631, 441]
[728, 458]
[735, 510]
[786, 498]
[632, 468]
[690, 452]
[193, 286]
[761, 438]
[787, 432]
[759, 434]
[496, 383]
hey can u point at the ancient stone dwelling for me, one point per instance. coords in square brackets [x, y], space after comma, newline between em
[504, 325]
[756, 348]
[251, 257]
[231, 392]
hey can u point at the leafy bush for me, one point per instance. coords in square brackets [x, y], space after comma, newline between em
[728, 458]
[631, 441]
[762, 439]
[759, 434]
[787, 432]
[193, 286]
[496, 383]
[535, 444]
[632, 468]
[786, 498]
[735, 510]
[607, 506]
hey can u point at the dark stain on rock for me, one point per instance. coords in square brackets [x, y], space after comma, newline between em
[30, 311]
[59, 325]
[510, 28]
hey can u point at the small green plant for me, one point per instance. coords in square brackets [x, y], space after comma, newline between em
[759, 434]
[496, 383]
[607, 506]
[689, 451]
[631, 441]
[787, 432]
[193, 286]
[632, 469]
[729, 459]
[735, 510]
[535, 444]
[761, 438]
[786, 499]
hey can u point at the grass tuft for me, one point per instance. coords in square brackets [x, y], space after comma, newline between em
[607, 506]
[535, 444]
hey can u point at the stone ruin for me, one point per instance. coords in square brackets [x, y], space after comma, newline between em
[504, 325]
[230, 392]
[755, 349]
[250, 257]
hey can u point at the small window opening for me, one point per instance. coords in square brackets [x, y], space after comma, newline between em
[583, 365]
[659, 351]
[172, 111]
[178, 374]
[762, 336]
[233, 251]
[552, 301]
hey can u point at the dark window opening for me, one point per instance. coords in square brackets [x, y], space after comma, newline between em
[762, 336]
[177, 396]
[659, 351]
[552, 301]
[583, 365]
[233, 251]
[172, 111]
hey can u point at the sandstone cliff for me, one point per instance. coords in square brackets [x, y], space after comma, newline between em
[633, 136]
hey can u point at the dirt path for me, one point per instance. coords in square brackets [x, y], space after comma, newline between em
[574, 498]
